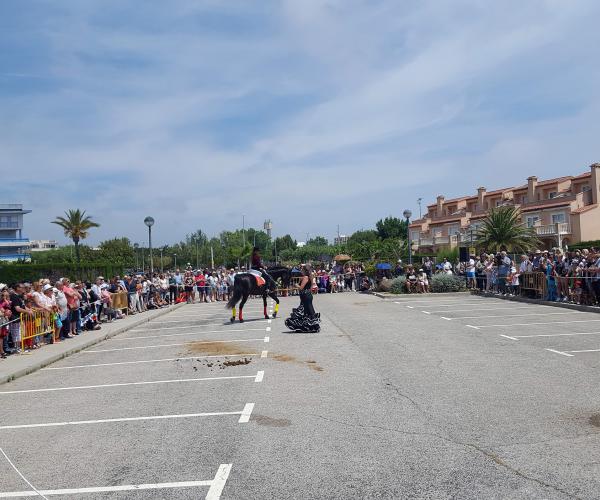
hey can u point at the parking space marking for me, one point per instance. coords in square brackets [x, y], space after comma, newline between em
[472, 326]
[188, 358]
[509, 337]
[246, 413]
[245, 417]
[483, 309]
[260, 375]
[125, 384]
[264, 354]
[556, 335]
[585, 350]
[125, 339]
[544, 323]
[515, 315]
[425, 312]
[214, 493]
[560, 352]
[267, 339]
[218, 483]
[176, 327]
[94, 351]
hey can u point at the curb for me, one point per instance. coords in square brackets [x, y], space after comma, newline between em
[38, 364]
[527, 300]
[399, 296]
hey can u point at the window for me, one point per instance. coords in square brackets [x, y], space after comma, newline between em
[558, 218]
[524, 200]
[532, 220]
[452, 230]
[552, 194]
[415, 235]
[585, 188]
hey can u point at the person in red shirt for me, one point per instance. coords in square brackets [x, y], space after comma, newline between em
[73, 302]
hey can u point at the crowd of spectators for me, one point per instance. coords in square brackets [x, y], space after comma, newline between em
[570, 276]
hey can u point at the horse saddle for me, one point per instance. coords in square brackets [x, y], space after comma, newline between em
[260, 281]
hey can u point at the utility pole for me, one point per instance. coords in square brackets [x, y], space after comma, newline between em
[197, 261]
[212, 258]
[420, 213]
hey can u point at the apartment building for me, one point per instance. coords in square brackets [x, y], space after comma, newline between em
[13, 246]
[563, 211]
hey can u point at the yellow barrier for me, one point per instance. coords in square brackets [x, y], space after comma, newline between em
[120, 301]
[35, 325]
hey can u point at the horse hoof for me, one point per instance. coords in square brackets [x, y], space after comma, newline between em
[274, 315]
[241, 320]
[232, 320]
[267, 317]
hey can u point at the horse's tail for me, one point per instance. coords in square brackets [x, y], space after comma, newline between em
[236, 297]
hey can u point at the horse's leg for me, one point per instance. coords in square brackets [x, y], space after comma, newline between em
[232, 314]
[276, 299]
[264, 297]
[242, 303]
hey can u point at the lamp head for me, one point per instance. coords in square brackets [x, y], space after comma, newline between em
[149, 221]
[407, 214]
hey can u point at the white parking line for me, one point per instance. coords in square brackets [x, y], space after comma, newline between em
[214, 493]
[472, 326]
[509, 337]
[246, 413]
[425, 312]
[560, 352]
[188, 358]
[514, 315]
[245, 417]
[264, 354]
[177, 327]
[218, 483]
[125, 339]
[544, 323]
[586, 350]
[267, 339]
[259, 376]
[124, 384]
[556, 335]
[482, 309]
[94, 351]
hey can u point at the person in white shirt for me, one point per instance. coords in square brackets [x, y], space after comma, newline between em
[446, 266]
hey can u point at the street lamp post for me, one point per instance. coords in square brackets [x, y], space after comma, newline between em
[135, 250]
[161, 261]
[407, 215]
[175, 256]
[149, 221]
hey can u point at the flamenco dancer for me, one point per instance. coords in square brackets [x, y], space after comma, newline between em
[304, 318]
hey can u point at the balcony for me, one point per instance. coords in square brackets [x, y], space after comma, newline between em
[11, 206]
[9, 225]
[14, 242]
[553, 229]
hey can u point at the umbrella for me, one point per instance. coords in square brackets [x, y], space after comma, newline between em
[342, 257]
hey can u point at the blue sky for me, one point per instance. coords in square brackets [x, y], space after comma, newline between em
[312, 113]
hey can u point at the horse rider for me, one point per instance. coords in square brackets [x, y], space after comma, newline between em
[257, 265]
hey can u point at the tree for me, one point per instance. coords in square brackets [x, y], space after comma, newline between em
[285, 242]
[503, 229]
[117, 250]
[317, 241]
[76, 226]
[392, 227]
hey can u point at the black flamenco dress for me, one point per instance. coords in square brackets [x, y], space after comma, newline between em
[304, 318]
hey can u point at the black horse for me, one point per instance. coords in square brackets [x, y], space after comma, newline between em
[245, 285]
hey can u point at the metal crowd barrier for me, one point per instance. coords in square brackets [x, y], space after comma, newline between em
[120, 301]
[36, 325]
[534, 283]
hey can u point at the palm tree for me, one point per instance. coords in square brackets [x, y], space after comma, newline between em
[503, 229]
[76, 226]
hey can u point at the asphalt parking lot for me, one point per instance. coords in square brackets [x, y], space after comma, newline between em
[417, 397]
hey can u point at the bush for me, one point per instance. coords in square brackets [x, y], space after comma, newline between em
[444, 283]
[385, 285]
[398, 285]
[12, 272]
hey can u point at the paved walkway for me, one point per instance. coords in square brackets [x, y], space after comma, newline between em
[19, 365]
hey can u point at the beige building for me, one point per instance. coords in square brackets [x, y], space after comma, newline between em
[563, 211]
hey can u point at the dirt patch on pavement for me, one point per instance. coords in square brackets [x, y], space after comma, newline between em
[595, 420]
[215, 348]
[271, 422]
[237, 362]
[291, 359]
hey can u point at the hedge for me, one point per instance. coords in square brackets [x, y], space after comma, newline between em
[14, 273]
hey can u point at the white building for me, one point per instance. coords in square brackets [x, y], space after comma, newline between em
[13, 246]
[41, 245]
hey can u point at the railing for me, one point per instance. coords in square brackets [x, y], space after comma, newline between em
[11, 206]
[9, 225]
[553, 229]
[11, 242]
[15, 256]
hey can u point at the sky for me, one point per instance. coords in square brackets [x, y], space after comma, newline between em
[311, 113]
